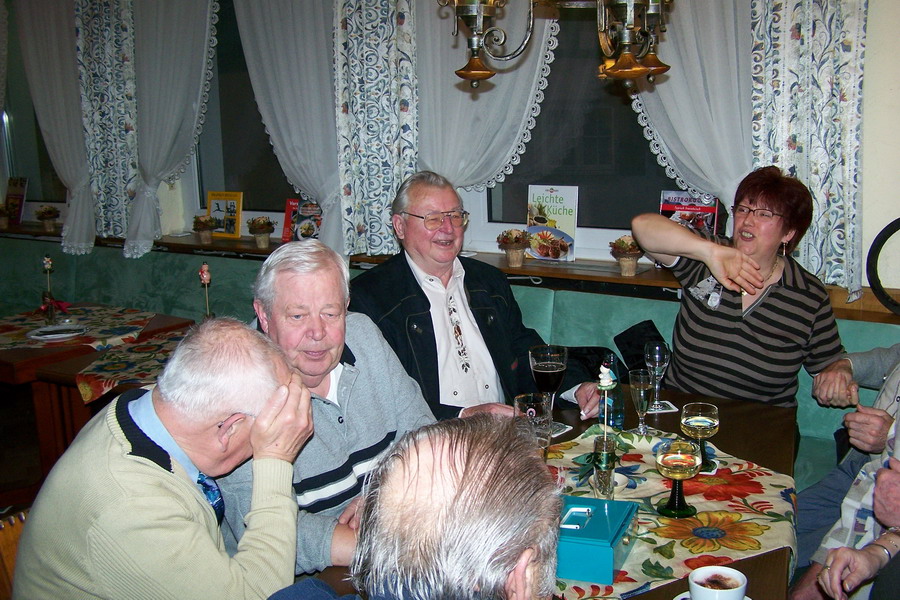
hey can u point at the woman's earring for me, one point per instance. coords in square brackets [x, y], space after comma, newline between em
[784, 248]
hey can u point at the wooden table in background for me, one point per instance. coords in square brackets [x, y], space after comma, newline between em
[763, 434]
[58, 413]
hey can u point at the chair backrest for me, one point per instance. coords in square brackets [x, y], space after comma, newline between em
[10, 530]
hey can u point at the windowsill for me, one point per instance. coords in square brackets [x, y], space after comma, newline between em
[604, 274]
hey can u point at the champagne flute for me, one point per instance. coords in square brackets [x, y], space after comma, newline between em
[677, 460]
[656, 356]
[640, 382]
[548, 366]
[700, 420]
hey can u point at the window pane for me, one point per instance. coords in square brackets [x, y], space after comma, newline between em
[26, 153]
[586, 135]
[234, 151]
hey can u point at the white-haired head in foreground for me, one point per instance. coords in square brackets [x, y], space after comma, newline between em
[302, 257]
[458, 509]
[221, 367]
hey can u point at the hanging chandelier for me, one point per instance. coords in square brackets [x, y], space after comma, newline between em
[628, 32]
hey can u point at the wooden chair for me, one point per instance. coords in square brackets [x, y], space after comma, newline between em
[10, 530]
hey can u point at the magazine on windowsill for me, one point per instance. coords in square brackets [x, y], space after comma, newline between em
[302, 220]
[551, 219]
[691, 212]
[15, 199]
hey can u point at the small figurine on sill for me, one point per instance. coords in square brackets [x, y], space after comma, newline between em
[205, 278]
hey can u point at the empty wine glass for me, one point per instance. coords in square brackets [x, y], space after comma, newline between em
[657, 356]
[640, 382]
[700, 420]
[548, 367]
[677, 460]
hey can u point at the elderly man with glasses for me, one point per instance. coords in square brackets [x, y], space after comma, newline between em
[452, 321]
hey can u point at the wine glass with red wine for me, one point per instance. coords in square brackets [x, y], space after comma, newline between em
[548, 366]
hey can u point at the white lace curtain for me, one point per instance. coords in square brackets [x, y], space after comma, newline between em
[698, 117]
[289, 51]
[116, 119]
[172, 47]
[807, 106]
[475, 137]
[47, 38]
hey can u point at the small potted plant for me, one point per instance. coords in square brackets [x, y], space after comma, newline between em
[260, 228]
[626, 252]
[204, 225]
[4, 217]
[514, 242]
[48, 216]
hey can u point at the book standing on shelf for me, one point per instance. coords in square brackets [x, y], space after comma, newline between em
[691, 212]
[225, 208]
[302, 220]
[551, 221]
[15, 199]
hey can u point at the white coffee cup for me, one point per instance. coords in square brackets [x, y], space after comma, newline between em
[717, 583]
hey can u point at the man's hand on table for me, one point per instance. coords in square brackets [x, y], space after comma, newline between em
[495, 408]
[808, 587]
[588, 398]
[834, 385]
[868, 428]
[887, 494]
[284, 424]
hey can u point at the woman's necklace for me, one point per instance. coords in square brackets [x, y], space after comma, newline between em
[769, 276]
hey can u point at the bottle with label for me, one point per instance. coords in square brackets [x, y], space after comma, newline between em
[611, 393]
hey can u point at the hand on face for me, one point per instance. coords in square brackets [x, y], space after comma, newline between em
[285, 423]
[734, 269]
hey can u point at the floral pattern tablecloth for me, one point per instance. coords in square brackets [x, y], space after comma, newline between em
[106, 326]
[137, 363]
[742, 510]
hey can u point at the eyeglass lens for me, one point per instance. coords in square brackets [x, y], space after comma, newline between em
[435, 220]
[760, 213]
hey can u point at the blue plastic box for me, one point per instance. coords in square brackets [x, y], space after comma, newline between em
[595, 537]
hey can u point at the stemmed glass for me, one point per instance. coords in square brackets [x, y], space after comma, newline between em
[640, 382]
[678, 460]
[548, 366]
[657, 355]
[700, 421]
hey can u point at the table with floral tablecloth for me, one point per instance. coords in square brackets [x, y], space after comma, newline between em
[134, 363]
[742, 510]
[105, 327]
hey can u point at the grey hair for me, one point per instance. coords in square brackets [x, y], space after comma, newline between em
[501, 501]
[221, 367]
[301, 257]
[423, 178]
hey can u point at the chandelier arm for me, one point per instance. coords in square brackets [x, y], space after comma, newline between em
[498, 37]
[606, 45]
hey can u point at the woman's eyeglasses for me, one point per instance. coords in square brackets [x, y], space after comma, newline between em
[763, 214]
[434, 220]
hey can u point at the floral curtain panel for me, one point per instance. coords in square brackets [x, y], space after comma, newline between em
[375, 80]
[104, 36]
[807, 112]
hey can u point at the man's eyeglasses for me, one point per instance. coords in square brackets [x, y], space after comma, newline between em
[763, 214]
[434, 220]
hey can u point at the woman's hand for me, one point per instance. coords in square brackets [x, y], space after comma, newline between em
[846, 568]
[733, 269]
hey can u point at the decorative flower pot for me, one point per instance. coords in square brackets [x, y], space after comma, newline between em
[49, 224]
[4, 222]
[205, 236]
[262, 240]
[628, 263]
[515, 257]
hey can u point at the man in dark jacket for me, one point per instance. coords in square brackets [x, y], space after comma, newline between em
[452, 321]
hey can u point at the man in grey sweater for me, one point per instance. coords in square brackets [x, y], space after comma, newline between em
[362, 399]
